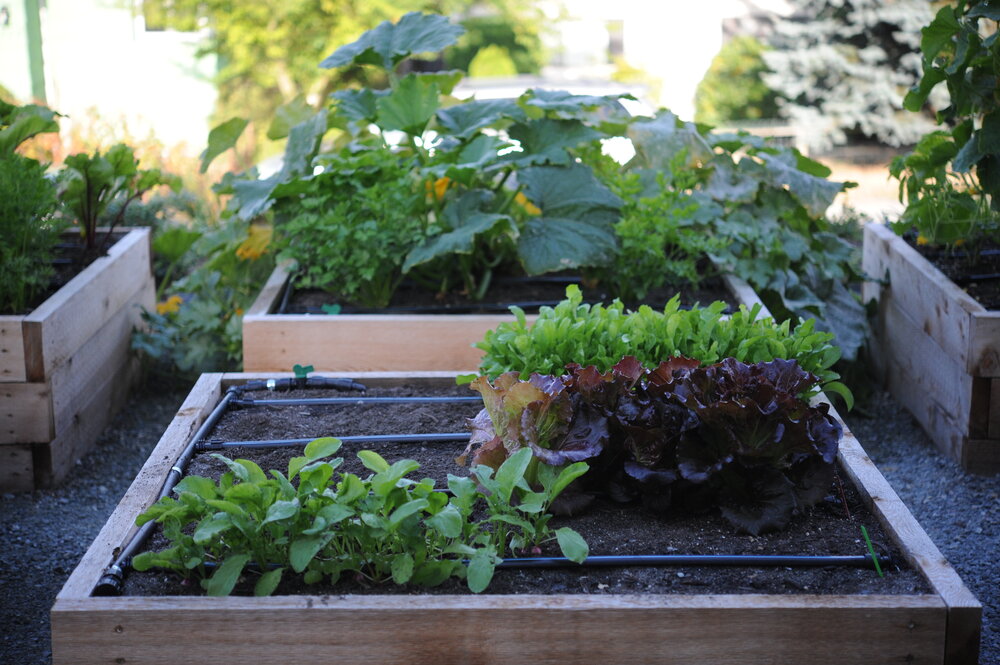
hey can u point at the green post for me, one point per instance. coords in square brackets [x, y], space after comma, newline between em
[36, 65]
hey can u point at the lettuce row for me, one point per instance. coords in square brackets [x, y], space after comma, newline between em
[733, 435]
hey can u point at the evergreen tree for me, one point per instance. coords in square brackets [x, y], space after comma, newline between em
[733, 87]
[844, 67]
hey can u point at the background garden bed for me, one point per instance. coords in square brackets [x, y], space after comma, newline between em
[938, 627]
[66, 368]
[376, 342]
[939, 350]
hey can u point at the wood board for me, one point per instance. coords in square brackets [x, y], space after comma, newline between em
[76, 364]
[938, 350]
[376, 342]
[941, 627]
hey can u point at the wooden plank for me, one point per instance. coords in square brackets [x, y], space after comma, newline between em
[745, 294]
[993, 428]
[377, 342]
[934, 302]
[984, 344]
[964, 611]
[90, 388]
[981, 456]
[269, 298]
[16, 469]
[941, 427]
[55, 330]
[99, 359]
[145, 488]
[358, 342]
[26, 413]
[11, 349]
[943, 379]
[495, 630]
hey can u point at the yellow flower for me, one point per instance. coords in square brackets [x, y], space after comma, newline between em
[959, 242]
[922, 240]
[171, 305]
[528, 206]
[436, 190]
[257, 240]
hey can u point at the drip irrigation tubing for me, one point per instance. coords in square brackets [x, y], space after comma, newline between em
[361, 438]
[110, 582]
[692, 560]
[781, 560]
[985, 277]
[313, 401]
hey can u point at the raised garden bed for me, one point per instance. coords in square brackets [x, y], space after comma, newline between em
[66, 368]
[275, 342]
[937, 626]
[939, 350]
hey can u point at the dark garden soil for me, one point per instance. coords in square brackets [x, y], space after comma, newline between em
[979, 278]
[831, 527]
[526, 292]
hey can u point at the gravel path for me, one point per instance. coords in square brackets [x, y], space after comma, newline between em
[43, 534]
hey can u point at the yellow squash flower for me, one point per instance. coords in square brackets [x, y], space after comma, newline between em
[171, 305]
[528, 206]
[922, 240]
[436, 190]
[256, 243]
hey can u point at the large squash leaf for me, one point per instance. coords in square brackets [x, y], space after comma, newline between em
[387, 44]
[410, 106]
[464, 120]
[576, 226]
[467, 220]
[546, 141]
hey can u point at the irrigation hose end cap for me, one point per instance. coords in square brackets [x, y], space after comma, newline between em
[110, 583]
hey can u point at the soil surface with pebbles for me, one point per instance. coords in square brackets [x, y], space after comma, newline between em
[43, 534]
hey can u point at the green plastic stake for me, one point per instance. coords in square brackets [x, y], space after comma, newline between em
[302, 372]
[331, 309]
[871, 550]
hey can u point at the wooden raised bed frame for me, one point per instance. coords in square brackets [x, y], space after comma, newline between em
[374, 342]
[939, 350]
[66, 368]
[939, 627]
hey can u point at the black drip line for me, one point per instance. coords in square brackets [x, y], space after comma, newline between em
[110, 583]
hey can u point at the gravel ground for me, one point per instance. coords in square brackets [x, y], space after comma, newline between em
[43, 534]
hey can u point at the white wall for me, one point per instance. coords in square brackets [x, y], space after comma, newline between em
[672, 40]
[14, 72]
[98, 55]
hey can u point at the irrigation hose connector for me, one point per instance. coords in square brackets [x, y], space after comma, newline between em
[111, 581]
[292, 383]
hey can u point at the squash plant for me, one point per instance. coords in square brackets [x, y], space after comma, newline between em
[493, 183]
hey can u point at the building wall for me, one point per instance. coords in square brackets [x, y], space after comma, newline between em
[99, 56]
[14, 72]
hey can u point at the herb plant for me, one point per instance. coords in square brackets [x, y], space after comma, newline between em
[379, 528]
[29, 232]
[733, 435]
[951, 181]
[363, 207]
[26, 210]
